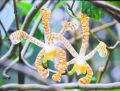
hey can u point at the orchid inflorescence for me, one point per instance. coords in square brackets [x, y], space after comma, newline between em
[50, 51]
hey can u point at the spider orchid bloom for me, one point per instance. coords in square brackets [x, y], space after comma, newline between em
[80, 61]
[49, 50]
[80, 65]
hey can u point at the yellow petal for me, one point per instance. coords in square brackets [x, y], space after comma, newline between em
[80, 68]
[51, 55]
[83, 69]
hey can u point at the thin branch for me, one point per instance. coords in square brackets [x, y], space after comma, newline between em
[21, 77]
[101, 72]
[107, 61]
[97, 29]
[102, 86]
[27, 21]
[112, 10]
[9, 53]
[94, 37]
[73, 14]
[5, 75]
[31, 34]
[2, 4]
[27, 71]
[15, 12]
[115, 45]
[72, 4]
[109, 30]
[31, 14]
[4, 30]
[70, 8]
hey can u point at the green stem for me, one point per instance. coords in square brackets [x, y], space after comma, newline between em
[4, 30]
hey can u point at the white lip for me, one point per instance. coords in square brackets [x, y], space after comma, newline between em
[49, 48]
[79, 60]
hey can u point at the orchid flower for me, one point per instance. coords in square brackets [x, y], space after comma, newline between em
[49, 50]
[80, 64]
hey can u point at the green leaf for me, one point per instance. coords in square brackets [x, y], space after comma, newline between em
[38, 34]
[90, 10]
[59, 4]
[25, 7]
